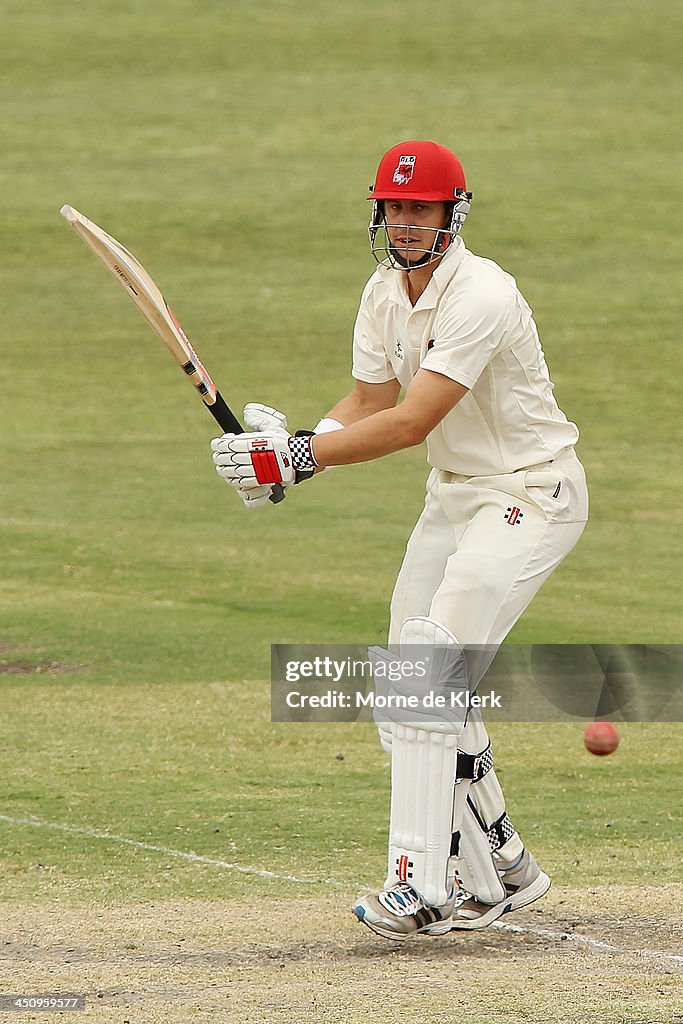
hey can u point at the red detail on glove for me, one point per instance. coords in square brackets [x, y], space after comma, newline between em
[265, 467]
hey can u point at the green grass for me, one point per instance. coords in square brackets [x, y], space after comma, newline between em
[230, 147]
[200, 769]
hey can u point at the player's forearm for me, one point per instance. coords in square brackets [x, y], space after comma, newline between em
[364, 401]
[349, 410]
[250, 461]
[381, 433]
[428, 399]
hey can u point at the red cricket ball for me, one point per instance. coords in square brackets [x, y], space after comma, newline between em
[601, 738]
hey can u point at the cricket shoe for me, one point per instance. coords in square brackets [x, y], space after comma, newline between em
[400, 912]
[524, 884]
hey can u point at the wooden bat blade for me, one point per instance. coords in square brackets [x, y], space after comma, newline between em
[146, 295]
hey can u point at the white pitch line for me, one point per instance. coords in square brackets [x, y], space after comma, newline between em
[168, 851]
[585, 940]
[242, 869]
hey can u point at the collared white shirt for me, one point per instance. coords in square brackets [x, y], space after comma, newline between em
[473, 325]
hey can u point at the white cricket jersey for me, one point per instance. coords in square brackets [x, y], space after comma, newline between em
[473, 325]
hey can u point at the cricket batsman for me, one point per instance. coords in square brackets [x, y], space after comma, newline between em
[446, 351]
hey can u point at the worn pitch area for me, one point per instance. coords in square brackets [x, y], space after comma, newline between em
[603, 955]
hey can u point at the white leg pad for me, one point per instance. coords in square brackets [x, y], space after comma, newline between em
[424, 753]
[423, 764]
[474, 866]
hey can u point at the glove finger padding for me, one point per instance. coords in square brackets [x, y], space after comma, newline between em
[236, 469]
[255, 497]
[241, 476]
[263, 417]
[218, 444]
[228, 459]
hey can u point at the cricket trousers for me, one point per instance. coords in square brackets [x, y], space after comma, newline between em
[480, 551]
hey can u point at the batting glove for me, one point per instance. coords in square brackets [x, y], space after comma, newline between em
[248, 460]
[263, 418]
[256, 417]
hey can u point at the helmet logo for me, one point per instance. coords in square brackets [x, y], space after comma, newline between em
[404, 171]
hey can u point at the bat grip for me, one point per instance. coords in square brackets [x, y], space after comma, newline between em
[277, 494]
[226, 419]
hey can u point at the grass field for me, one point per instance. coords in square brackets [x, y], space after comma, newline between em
[145, 794]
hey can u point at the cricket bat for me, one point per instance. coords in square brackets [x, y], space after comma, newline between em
[140, 287]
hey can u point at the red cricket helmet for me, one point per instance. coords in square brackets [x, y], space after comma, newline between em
[419, 170]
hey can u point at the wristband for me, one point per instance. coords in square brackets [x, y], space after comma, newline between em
[303, 459]
[326, 425]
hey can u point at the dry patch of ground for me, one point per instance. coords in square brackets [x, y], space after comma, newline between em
[305, 960]
[16, 666]
[22, 667]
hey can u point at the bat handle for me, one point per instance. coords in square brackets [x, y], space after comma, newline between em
[226, 419]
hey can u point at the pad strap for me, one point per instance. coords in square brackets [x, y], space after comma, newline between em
[500, 832]
[472, 857]
[474, 766]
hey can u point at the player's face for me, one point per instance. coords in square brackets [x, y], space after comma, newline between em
[412, 226]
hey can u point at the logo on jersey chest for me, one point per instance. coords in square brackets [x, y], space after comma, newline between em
[514, 516]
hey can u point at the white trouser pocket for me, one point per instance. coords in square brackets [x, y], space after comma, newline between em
[559, 490]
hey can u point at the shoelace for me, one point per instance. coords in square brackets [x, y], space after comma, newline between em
[462, 896]
[402, 900]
